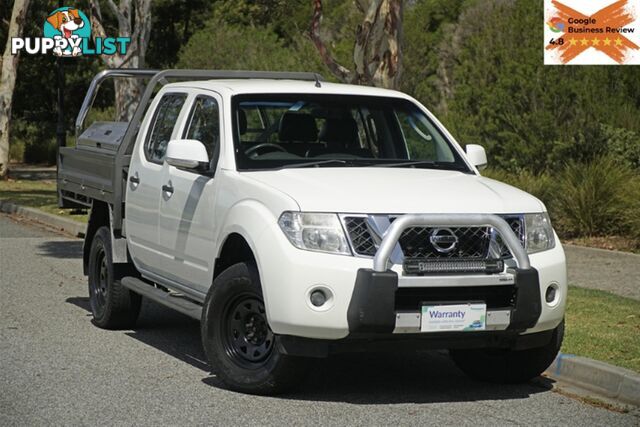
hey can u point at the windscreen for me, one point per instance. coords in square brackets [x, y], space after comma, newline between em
[302, 130]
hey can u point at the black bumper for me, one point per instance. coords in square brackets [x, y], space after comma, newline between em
[372, 306]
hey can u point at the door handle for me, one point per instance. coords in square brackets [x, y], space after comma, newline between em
[168, 189]
[134, 180]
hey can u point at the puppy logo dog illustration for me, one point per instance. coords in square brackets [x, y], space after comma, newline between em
[67, 32]
[70, 24]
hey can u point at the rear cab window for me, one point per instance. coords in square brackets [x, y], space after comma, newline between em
[165, 119]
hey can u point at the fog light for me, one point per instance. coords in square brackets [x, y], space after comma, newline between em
[318, 298]
[550, 295]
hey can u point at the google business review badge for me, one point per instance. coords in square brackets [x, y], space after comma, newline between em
[595, 32]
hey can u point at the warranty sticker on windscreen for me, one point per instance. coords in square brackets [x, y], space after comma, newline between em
[594, 32]
[450, 318]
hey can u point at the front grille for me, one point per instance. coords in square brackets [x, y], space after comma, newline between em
[516, 224]
[472, 242]
[361, 238]
[500, 296]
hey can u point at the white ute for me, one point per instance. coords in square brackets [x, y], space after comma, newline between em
[297, 218]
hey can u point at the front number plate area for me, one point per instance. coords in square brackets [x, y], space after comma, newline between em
[448, 318]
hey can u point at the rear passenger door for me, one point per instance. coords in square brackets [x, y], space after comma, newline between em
[144, 185]
[187, 220]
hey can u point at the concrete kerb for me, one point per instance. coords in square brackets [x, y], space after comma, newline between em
[611, 382]
[69, 226]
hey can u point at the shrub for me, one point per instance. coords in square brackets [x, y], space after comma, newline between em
[597, 198]
[37, 147]
[540, 185]
[41, 151]
[631, 216]
[16, 151]
[623, 144]
[245, 48]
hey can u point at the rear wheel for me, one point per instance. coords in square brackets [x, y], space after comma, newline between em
[113, 306]
[241, 348]
[508, 366]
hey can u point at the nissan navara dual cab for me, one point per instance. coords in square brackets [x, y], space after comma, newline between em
[297, 219]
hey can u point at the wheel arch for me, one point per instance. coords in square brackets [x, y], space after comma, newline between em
[98, 217]
[235, 249]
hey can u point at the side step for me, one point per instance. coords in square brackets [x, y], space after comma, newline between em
[177, 303]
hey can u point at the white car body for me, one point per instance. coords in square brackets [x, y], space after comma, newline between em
[175, 239]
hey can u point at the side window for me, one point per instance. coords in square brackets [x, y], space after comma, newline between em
[164, 120]
[204, 123]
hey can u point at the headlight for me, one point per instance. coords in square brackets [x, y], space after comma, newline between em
[315, 232]
[539, 233]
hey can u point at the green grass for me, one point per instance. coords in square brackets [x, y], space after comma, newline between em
[39, 194]
[604, 327]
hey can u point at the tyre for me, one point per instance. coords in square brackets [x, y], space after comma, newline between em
[113, 306]
[508, 366]
[240, 346]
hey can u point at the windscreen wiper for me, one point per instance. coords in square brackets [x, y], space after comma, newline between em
[426, 163]
[316, 163]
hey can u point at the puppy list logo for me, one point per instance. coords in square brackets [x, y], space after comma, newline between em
[67, 33]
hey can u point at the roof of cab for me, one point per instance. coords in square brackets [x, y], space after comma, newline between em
[242, 86]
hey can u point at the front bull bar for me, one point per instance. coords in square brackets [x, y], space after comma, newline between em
[372, 306]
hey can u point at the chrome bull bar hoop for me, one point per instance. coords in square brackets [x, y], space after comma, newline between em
[393, 233]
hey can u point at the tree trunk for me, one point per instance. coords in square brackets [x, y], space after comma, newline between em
[134, 21]
[377, 53]
[9, 69]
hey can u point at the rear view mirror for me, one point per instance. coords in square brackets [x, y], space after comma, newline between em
[477, 156]
[187, 154]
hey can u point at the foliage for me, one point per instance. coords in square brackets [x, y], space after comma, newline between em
[427, 50]
[245, 48]
[174, 22]
[568, 135]
[540, 185]
[600, 197]
[36, 148]
[623, 145]
[594, 198]
[531, 116]
[16, 151]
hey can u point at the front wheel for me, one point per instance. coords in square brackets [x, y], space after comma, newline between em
[240, 346]
[509, 366]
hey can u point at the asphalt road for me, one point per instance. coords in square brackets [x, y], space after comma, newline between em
[611, 271]
[57, 368]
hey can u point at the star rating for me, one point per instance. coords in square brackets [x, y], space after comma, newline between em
[607, 42]
[573, 42]
[595, 41]
[618, 41]
[584, 42]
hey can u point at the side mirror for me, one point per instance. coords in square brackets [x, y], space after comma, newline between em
[187, 154]
[477, 156]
